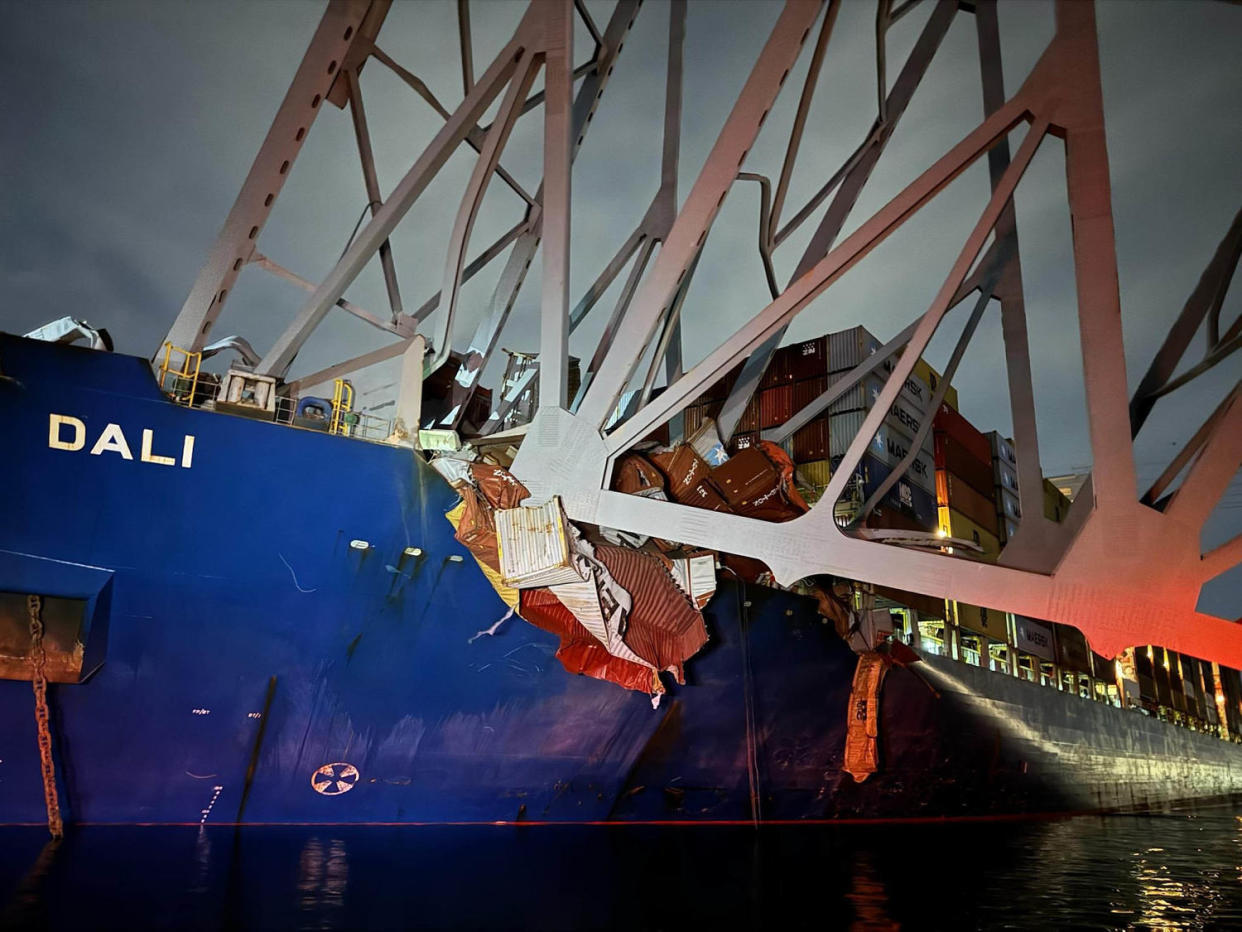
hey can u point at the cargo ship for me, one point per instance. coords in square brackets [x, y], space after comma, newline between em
[262, 619]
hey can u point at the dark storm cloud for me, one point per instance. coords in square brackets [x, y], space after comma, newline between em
[129, 127]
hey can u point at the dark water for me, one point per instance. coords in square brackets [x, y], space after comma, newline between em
[1122, 872]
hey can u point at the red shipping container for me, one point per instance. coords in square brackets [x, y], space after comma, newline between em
[719, 390]
[807, 390]
[775, 406]
[779, 370]
[808, 360]
[749, 421]
[741, 441]
[952, 456]
[811, 442]
[953, 492]
[746, 476]
[975, 443]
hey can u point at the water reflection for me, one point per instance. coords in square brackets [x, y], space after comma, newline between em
[1151, 872]
[323, 877]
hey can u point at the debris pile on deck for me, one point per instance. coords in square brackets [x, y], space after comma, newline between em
[627, 608]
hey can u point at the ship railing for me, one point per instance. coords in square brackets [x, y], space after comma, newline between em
[356, 424]
[179, 377]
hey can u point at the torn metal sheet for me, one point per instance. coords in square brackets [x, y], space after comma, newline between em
[696, 575]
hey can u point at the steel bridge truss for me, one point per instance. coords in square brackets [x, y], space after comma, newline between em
[1125, 567]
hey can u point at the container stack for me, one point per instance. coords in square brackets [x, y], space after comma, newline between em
[801, 372]
[964, 482]
[819, 446]
[1005, 484]
[966, 501]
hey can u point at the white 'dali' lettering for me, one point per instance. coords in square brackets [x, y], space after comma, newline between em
[69, 433]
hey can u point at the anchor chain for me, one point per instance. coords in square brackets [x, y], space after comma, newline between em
[38, 658]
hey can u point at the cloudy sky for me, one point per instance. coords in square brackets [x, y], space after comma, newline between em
[129, 127]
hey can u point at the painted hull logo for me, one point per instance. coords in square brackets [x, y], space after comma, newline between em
[334, 779]
[69, 433]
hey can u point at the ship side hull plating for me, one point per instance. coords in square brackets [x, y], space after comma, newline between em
[281, 601]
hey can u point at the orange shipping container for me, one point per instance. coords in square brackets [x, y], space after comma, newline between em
[952, 492]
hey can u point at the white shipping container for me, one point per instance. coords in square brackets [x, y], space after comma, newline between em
[534, 545]
[1002, 448]
[863, 396]
[847, 348]
[1008, 505]
[915, 390]
[889, 446]
[1033, 637]
[1005, 474]
[1009, 528]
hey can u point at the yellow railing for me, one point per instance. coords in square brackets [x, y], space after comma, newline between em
[342, 407]
[184, 379]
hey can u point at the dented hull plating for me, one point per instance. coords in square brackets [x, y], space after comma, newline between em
[206, 581]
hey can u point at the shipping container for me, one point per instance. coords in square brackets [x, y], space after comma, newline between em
[807, 390]
[927, 606]
[958, 525]
[1007, 504]
[916, 389]
[956, 494]
[982, 621]
[811, 442]
[889, 445]
[695, 414]
[976, 444]
[775, 406]
[915, 501]
[848, 348]
[741, 441]
[1072, 652]
[1143, 669]
[719, 390]
[887, 517]
[1034, 637]
[1005, 474]
[749, 420]
[808, 359]
[1056, 505]
[932, 378]
[952, 456]
[779, 370]
[814, 474]
[746, 476]
[1002, 448]
[533, 545]
[865, 395]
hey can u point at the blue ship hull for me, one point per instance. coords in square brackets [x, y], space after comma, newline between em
[239, 644]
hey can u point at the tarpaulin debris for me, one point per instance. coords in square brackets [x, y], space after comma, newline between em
[454, 470]
[862, 757]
